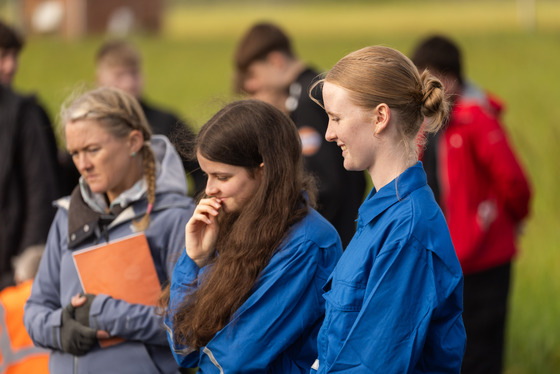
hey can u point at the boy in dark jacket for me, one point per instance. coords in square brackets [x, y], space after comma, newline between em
[267, 69]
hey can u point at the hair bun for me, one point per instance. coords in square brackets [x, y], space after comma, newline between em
[434, 103]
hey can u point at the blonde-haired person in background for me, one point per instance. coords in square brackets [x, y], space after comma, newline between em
[394, 300]
[130, 182]
[119, 64]
[18, 355]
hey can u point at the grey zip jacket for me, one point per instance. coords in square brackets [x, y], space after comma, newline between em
[79, 224]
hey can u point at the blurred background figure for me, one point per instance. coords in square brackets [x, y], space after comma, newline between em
[267, 69]
[119, 64]
[11, 45]
[18, 355]
[484, 195]
[29, 169]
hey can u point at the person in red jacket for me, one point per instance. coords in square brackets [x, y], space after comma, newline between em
[484, 194]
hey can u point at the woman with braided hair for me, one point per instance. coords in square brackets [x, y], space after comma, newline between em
[131, 182]
[394, 300]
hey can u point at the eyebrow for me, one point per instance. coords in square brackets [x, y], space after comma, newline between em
[80, 148]
[331, 113]
[216, 173]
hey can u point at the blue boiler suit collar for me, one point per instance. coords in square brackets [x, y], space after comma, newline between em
[398, 189]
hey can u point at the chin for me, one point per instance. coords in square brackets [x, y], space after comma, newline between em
[97, 189]
[230, 208]
[350, 167]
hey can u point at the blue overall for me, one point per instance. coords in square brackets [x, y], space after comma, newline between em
[394, 300]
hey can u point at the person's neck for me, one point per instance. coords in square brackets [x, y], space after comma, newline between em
[135, 174]
[389, 165]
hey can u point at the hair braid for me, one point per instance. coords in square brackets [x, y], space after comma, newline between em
[149, 165]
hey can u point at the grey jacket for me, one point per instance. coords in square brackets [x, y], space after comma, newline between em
[77, 226]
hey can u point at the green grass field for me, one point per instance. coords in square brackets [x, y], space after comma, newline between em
[188, 69]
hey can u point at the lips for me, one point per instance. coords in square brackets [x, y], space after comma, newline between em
[90, 177]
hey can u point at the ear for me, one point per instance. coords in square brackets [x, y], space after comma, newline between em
[135, 141]
[382, 115]
[257, 173]
[276, 58]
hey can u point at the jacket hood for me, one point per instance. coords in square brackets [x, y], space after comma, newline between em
[170, 174]
[474, 95]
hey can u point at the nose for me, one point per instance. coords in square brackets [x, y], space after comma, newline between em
[330, 135]
[82, 162]
[211, 189]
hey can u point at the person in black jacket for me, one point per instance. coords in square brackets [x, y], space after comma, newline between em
[119, 65]
[267, 69]
[28, 182]
[11, 45]
[29, 169]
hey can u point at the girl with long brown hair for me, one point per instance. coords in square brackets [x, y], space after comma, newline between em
[245, 295]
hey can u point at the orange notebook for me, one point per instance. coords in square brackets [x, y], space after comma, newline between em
[123, 269]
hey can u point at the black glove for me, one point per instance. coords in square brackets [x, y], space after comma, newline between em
[75, 338]
[81, 313]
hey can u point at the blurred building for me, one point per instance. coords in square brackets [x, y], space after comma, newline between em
[75, 18]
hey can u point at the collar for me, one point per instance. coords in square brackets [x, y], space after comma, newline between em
[398, 189]
[296, 89]
[98, 203]
[83, 221]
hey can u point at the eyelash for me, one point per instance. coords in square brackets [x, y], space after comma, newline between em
[92, 150]
[220, 178]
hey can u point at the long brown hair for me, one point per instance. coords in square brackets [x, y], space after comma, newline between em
[245, 133]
